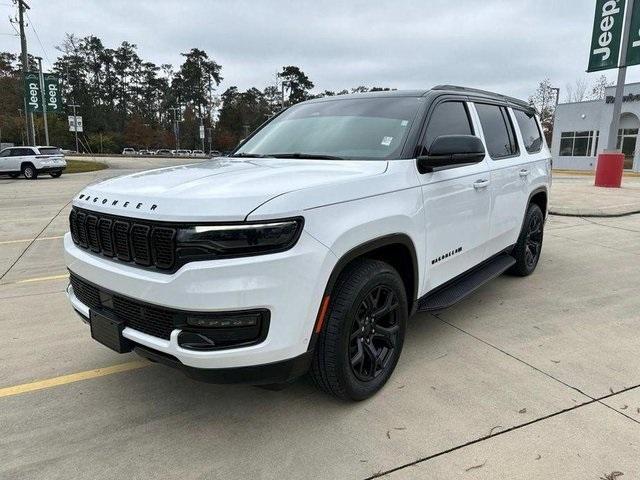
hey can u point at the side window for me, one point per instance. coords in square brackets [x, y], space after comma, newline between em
[5, 153]
[498, 131]
[449, 118]
[530, 132]
[17, 152]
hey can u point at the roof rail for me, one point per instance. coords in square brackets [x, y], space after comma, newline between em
[513, 100]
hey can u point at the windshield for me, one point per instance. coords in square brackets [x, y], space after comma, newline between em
[367, 128]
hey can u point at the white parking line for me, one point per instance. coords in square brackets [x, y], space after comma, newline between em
[27, 240]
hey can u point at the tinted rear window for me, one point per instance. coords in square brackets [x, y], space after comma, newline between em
[498, 131]
[50, 151]
[530, 132]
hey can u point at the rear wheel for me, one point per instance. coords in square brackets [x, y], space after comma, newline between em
[363, 334]
[29, 171]
[56, 174]
[527, 250]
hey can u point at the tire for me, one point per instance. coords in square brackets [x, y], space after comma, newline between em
[527, 250]
[56, 174]
[353, 360]
[29, 171]
[14, 175]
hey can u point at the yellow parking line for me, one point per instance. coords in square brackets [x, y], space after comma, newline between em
[43, 279]
[74, 377]
[27, 240]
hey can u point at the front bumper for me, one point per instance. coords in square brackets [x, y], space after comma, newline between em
[289, 284]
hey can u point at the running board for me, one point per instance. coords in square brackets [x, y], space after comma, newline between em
[467, 284]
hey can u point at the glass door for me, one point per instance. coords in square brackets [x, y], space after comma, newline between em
[627, 139]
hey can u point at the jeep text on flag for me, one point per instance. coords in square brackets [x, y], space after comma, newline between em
[607, 33]
[32, 92]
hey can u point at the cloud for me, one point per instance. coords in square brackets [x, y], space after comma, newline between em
[506, 46]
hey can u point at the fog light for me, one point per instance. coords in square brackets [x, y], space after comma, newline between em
[225, 322]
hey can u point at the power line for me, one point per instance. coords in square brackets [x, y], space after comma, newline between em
[38, 37]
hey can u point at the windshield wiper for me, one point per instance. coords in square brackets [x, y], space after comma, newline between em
[249, 155]
[305, 155]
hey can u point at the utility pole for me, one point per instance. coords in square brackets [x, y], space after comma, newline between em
[209, 138]
[612, 142]
[44, 102]
[75, 123]
[176, 130]
[22, 6]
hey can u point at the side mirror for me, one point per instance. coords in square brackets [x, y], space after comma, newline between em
[450, 151]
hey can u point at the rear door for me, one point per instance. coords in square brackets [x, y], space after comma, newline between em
[507, 163]
[457, 200]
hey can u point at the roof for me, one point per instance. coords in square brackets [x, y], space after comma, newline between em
[441, 89]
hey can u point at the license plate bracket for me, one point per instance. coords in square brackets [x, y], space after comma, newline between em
[108, 331]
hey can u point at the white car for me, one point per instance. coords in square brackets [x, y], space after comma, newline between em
[32, 161]
[309, 247]
[128, 151]
[183, 153]
[198, 153]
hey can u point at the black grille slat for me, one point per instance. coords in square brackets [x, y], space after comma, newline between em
[82, 229]
[129, 240]
[92, 233]
[163, 246]
[87, 294]
[104, 235]
[73, 226]
[140, 244]
[121, 240]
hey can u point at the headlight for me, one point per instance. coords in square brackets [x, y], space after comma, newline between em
[202, 242]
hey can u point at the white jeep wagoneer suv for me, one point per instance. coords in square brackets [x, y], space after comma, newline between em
[309, 247]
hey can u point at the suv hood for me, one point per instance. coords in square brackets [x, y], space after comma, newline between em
[223, 189]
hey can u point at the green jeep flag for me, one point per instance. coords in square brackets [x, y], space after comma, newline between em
[607, 33]
[633, 52]
[33, 94]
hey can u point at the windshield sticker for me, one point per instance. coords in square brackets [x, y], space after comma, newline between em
[386, 141]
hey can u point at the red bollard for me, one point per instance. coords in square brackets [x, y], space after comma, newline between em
[609, 170]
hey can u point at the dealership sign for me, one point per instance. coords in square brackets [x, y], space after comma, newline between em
[607, 32]
[33, 94]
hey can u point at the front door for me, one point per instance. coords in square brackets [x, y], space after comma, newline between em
[457, 202]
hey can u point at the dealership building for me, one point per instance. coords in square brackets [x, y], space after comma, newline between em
[581, 130]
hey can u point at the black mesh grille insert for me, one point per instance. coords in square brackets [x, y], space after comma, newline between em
[154, 321]
[128, 240]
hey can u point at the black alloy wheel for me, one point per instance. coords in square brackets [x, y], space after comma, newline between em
[374, 333]
[529, 247]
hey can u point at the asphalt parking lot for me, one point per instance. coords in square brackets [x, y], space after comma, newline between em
[527, 378]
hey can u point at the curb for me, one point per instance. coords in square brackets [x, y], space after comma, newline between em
[594, 215]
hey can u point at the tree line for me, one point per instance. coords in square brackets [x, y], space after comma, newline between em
[126, 101]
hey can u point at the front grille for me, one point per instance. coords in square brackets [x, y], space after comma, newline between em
[151, 320]
[148, 244]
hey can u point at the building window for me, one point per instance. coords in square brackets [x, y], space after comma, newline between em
[579, 144]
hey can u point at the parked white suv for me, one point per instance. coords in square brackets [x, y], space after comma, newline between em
[32, 161]
[311, 245]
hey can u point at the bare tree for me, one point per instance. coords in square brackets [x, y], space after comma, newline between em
[576, 92]
[544, 100]
[598, 91]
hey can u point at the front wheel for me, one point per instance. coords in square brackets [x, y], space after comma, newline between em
[527, 250]
[362, 338]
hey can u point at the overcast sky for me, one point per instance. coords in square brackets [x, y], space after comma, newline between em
[506, 46]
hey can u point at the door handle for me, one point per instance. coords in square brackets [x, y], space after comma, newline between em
[524, 173]
[480, 184]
